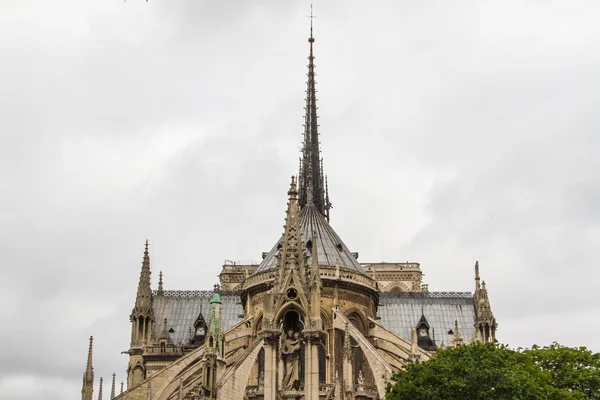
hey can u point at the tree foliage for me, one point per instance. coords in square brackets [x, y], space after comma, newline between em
[571, 371]
[493, 371]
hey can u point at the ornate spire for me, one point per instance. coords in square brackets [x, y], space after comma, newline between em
[160, 284]
[291, 255]
[88, 376]
[143, 300]
[485, 322]
[311, 185]
[122, 384]
[112, 387]
[100, 390]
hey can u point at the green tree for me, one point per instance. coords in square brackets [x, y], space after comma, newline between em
[476, 371]
[572, 371]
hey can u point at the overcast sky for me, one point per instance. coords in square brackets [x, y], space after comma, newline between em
[451, 131]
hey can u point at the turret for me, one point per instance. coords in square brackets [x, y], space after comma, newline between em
[485, 322]
[142, 319]
[142, 315]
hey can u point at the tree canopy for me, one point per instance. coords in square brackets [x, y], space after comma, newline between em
[493, 371]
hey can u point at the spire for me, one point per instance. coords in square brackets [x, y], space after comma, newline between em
[112, 387]
[164, 332]
[327, 202]
[88, 376]
[215, 325]
[122, 384]
[143, 300]
[100, 390]
[311, 185]
[89, 370]
[291, 255]
[485, 322]
[160, 284]
[477, 286]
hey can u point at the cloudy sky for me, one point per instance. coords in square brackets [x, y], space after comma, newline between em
[451, 132]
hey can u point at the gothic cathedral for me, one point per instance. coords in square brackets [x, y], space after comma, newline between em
[309, 322]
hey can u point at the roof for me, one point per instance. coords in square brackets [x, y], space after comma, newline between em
[401, 312]
[330, 248]
[182, 307]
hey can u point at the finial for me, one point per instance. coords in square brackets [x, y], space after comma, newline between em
[122, 384]
[292, 193]
[160, 282]
[483, 285]
[146, 250]
[112, 388]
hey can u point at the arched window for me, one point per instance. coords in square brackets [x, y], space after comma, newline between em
[261, 366]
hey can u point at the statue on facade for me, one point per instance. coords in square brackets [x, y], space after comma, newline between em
[290, 351]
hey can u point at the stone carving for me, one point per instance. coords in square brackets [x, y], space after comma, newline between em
[290, 351]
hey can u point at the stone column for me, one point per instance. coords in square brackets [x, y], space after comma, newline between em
[270, 379]
[312, 368]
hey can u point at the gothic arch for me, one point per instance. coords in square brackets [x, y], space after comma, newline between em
[396, 287]
[258, 325]
[291, 306]
[357, 318]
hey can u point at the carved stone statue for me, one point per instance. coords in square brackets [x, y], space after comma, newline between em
[361, 382]
[290, 351]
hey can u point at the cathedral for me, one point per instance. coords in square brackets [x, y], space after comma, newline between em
[309, 322]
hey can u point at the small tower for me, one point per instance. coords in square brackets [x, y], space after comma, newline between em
[87, 390]
[142, 319]
[214, 364]
[485, 322]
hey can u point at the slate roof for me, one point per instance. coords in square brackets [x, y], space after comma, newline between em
[330, 248]
[181, 308]
[401, 312]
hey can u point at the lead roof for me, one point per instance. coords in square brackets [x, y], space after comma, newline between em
[330, 248]
[181, 309]
[399, 312]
